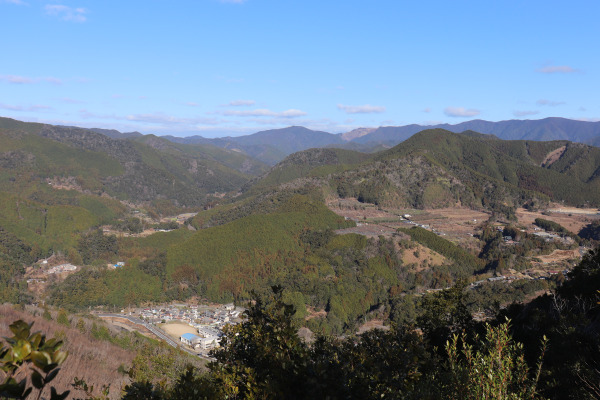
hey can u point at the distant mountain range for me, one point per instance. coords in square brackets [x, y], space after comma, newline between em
[272, 146]
[269, 146]
[546, 129]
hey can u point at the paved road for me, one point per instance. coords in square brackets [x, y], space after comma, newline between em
[155, 330]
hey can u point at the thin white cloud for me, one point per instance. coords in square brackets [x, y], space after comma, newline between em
[192, 104]
[263, 112]
[164, 119]
[525, 113]
[557, 69]
[551, 103]
[22, 80]
[69, 100]
[51, 79]
[461, 112]
[364, 109]
[66, 13]
[157, 118]
[15, 2]
[238, 103]
[16, 79]
[427, 110]
[34, 107]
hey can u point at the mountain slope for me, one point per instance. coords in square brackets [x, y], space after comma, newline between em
[540, 130]
[438, 168]
[269, 146]
[312, 162]
[57, 182]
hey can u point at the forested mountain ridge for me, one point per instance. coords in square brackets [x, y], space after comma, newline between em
[130, 169]
[546, 129]
[270, 146]
[58, 182]
[438, 168]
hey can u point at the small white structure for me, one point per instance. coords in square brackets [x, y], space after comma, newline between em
[61, 268]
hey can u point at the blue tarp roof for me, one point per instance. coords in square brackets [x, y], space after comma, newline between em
[189, 336]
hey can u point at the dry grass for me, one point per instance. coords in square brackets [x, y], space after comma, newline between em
[573, 222]
[424, 254]
[175, 329]
[95, 361]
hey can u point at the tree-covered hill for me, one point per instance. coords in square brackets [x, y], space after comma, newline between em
[571, 177]
[57, 182]
[312, 162]
[270, 146]
[438, 168]
[139, 170]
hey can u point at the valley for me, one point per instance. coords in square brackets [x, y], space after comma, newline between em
[353, 242]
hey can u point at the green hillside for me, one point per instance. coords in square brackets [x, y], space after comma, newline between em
[208, 154]
[504, 165]
[310, 163]
[126, 169]
[215, 250]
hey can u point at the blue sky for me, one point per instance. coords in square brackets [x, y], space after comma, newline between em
[217, 68]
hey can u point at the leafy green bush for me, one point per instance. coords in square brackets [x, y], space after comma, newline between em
[27, 349]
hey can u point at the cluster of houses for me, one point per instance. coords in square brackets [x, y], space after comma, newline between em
[193, 315]
[209, 327]
[206, 339]
[57, 269]
[208, 322]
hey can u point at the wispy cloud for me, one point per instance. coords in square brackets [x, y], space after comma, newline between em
[66, 13]
[364, 109]
[238, 103]
[525, 113]
[69, 100]
[34, 107]
[192, 104]
[427, 110]
[16, 2]
[164, 119]
[557, 69]
[156, 118]
[16, 79]
[263, 112]
[461, 112]
[22, 80]
[551, 103]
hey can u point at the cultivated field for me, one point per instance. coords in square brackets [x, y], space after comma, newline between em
[571, 220]
[559, 255]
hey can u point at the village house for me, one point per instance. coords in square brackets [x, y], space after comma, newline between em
[190, 339]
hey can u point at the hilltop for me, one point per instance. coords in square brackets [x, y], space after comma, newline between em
[274, 145]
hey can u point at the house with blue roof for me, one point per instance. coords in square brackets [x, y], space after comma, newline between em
[190, 339]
